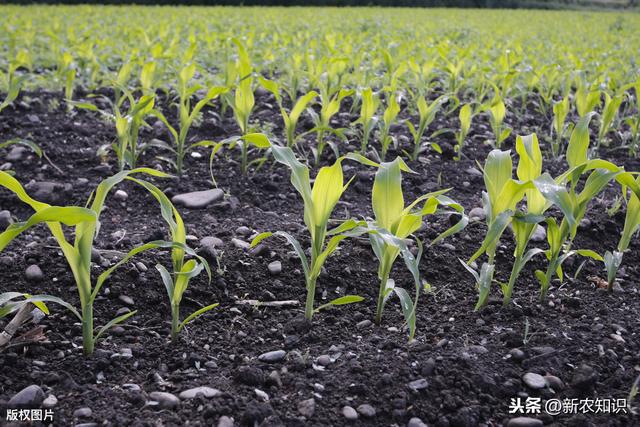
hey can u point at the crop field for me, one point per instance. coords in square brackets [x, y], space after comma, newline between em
[319, 216]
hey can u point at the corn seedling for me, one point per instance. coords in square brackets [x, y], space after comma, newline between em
[563, 193]
[329, 107]
[502, 195]
[291, 118]
[560, 111]
[465, 115]
[78, 254]
[427, 113]
[393, 224]
[388, 118]
[613, 260]
[319, 203]
[497, 112]
[186, 114]
[368, 109]
[177, 283]
[608, 116]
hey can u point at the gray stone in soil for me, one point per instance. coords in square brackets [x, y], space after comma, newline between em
[204, 391]
[165, 400]
[225, 421]
[5, 220]
[363, 324]
[307, 407]
[366, 410]
[349, 413]
[29, 397]
[275, 268]
[33, 273]
[539, 234]
[50, 402]
[16, 154]
[554, 382]
[240, 244]
[416, 422]
[211, 241]
[82, 413]
[198, 199]
[120, 195]
[272, 356]
[418, 385]
[524, 422]
[126, 299]
[534, 381]
[584, 377]
[324, 360]
[517, 354]
[477, 214]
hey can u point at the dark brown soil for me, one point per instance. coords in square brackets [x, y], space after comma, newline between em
[464, 356]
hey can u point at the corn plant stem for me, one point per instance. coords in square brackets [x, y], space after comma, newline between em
[88, 342]
[365, 143]
[311, 293]
[175, 321]
[244, 158]
[515, 272]
[320, 147]
[381, 292]
[416, 148]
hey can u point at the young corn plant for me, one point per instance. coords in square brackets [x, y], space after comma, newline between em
[14, 80]
[368, 119]
[329, 107]
[242, 102]
[388, 118]
[291, 118]
[560, 129]
[394, 223]
[465, 115]
[502, 195]
[177, 283]
[563, 192]
[78, 254]
[186, 114]
[587, 99]
[613, 260]
[427, 113]
[319, 203]
[497, 112]
[608, 117]
[127, 148]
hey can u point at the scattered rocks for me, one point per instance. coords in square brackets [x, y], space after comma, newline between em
[272, 356]
[366, 410]
[243, 231]
[419, 384]
[82, 413]
[534, 381]
[275, 268]
[307, 407]
[477, 214]
[164, 400]
[416, 422]
[324, 360]
[261, 395]
[349, 413]
[126, 299]
[225, 421]
[5, 220]
[539, 234]
[16, 154]
[240, 244]
[198, 199]
[524, 422]
[554, 382]
[50, 402]
[33, 273]
[120, 195]
[364, 324]
[203, 391]
[29, 397]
